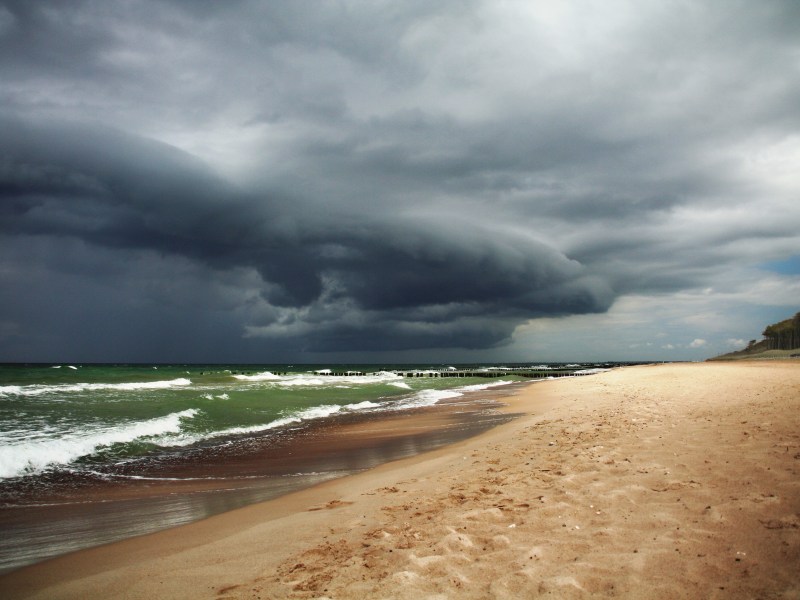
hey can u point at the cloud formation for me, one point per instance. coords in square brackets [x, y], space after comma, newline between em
[249, 181]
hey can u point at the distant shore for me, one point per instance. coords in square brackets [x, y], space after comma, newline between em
[663, 481]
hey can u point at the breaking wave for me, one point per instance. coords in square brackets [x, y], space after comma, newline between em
[24, 454]
[39, 389]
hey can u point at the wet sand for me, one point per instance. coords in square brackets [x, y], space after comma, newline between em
[668, 481]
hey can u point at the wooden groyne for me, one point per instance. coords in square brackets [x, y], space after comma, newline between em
[485, 373]
[329, 373]
[490, 373]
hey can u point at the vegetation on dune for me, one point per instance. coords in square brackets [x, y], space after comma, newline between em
[784, 335]
[781, 340]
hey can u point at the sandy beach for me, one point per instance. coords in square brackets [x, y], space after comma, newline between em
[664, 481]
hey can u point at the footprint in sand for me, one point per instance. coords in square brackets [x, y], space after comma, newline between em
[329, 505]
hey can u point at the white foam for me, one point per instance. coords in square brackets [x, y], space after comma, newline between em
[484, 386]
[431, 397]
[264, 376]
[37, 390]
[308, 414]
[34, 455]
[426, 398]
[400, 384]
[316, 412]
[362, 405]
[349, 380]
[320, 378]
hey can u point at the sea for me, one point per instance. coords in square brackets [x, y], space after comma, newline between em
[94, 453]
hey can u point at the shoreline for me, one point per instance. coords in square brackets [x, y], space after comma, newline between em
[677, 480]
[75, 514]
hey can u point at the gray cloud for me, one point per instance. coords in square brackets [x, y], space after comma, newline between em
[253, 177]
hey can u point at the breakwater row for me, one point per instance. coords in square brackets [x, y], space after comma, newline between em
[486, 373]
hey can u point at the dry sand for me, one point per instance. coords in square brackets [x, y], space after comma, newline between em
[668, 481]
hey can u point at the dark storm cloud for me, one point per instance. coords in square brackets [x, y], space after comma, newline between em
[116, 191]
[379, 176]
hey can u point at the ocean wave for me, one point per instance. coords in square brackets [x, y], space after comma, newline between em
[321, 378]
[39, 389]
[484, 386]
[308, 414]
[591, 371]
[427, 398]
[317, 412]
[362, 405]
[430, 397]
[35, 455]
[264, 376]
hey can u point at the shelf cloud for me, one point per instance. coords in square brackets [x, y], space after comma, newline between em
[250, 181]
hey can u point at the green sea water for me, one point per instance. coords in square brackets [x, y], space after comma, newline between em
[74, 417]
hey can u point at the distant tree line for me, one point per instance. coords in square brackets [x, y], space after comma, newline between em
[784, 335]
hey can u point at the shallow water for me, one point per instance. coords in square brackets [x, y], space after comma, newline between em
[68, 418]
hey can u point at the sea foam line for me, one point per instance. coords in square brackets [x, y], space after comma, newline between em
[430, 397]
[319, 380]
[38, 389]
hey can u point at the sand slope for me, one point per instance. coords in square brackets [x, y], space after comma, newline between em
[669, 481]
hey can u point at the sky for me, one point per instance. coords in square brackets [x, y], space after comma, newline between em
[351, 181]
